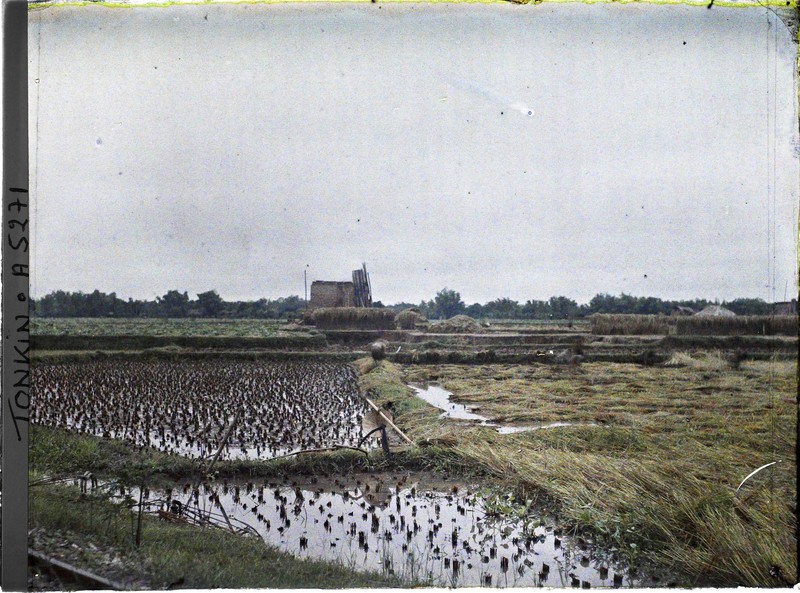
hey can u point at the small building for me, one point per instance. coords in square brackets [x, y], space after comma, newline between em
[715, 311]
[328, 293]
[332, 293]
[679, 311]
[785, 308]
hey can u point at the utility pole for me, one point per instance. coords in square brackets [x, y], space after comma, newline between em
[305, 285]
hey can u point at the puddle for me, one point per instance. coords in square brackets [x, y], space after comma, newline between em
[414, 528]
[186, 407]
[439, 397]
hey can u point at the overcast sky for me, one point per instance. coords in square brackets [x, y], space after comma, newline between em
[499, 150]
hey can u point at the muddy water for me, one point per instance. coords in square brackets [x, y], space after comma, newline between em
[439, 397]
[414, 528]
[267, 408]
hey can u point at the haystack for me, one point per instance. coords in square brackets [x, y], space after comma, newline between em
[460, 324]
[409, 318]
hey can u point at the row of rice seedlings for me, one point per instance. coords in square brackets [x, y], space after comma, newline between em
[245, 410]
[743, 325]
[353, 318]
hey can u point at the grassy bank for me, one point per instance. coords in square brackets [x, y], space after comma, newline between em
[182, 354]
[296, 341]
[183, 556]
[59, 452]
[657, 474]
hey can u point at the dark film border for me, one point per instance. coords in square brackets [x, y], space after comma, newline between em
[15, 298]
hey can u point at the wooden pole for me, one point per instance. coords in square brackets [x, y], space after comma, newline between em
[224, 439]
[392, 424]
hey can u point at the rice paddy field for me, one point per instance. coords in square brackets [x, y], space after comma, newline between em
[242, 410]
[565, 472]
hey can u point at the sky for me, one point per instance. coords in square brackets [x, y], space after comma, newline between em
[498, 150]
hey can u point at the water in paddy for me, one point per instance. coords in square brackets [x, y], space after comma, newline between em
[415, 528]
[186, 408]
[439, 397]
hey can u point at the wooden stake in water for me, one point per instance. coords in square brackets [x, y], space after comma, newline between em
[388, 421]
[224, 439]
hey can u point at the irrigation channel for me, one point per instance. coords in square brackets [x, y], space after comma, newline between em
[415, 527]
[439, 397]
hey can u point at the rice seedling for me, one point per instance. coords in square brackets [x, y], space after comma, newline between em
[231, 409]
[174, 554]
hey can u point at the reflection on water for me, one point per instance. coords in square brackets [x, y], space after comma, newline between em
[416, 530]
[439, 397]
[243, 409]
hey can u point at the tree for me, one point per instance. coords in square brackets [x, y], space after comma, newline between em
[749, 307]
[475, 310]
[533, 309]
[503, 308]
[448, 303]
[562, 307]
[173, 304]
[210, 303]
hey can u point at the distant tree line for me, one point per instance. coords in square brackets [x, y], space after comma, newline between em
[445, 304]
[448, 302]
[173, 304]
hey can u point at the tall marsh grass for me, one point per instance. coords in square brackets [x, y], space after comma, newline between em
[630, 325]
[743, 325]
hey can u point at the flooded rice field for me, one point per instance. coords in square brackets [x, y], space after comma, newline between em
[414, 527]
[276, 408]
[439, 397]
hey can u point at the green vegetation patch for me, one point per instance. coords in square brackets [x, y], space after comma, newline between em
[652, 460]
[99, 326]
[183, 556]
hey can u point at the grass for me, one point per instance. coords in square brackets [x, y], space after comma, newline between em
[629, 325]
[48, 342]
[709, 361]
[193, 557]
[742, 325]
[657, 475]
[58, 452]
[83, 326]
[353, 318]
